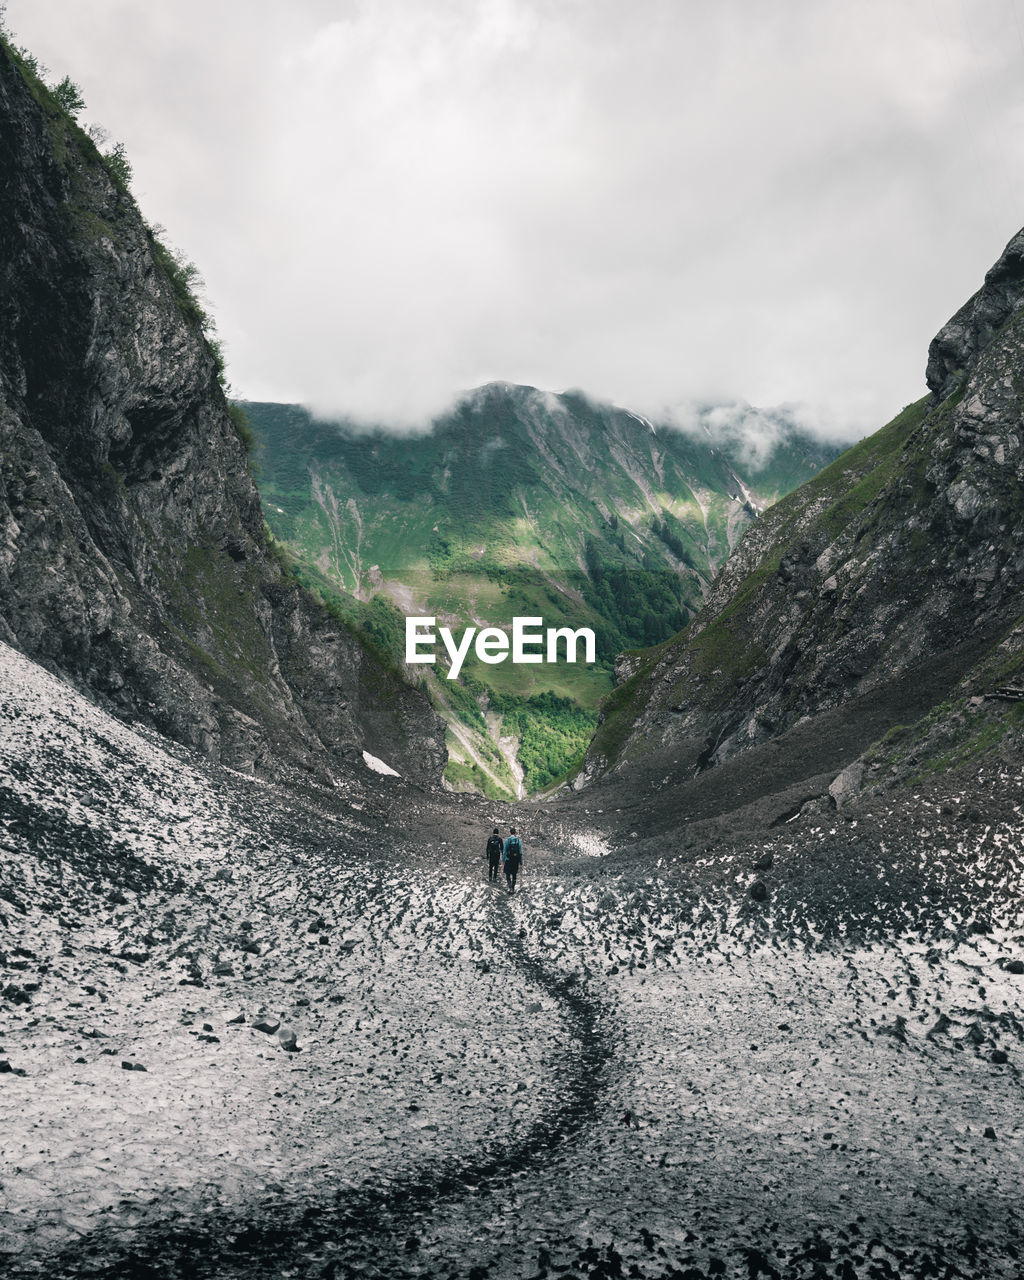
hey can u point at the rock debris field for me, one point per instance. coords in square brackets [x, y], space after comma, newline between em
[255, 1031]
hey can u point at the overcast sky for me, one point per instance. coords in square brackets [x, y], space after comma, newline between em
[651, 200]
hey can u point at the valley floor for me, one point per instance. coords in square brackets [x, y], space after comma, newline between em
[254, 1032]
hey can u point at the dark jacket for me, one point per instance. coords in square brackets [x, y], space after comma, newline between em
[495, 848]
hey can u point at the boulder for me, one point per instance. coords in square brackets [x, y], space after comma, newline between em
[846, 786]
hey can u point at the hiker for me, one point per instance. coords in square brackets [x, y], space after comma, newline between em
[495, 848]
[512, 859]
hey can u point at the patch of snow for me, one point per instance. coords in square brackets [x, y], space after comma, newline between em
[590, 844]
[378, 766]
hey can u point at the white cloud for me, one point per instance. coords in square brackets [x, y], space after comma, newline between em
[394, 200]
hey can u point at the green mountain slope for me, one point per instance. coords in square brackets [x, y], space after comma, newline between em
[881, 601]
[520, 503]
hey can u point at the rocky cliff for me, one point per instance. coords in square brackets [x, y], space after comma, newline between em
[881, 599]
[133, 560]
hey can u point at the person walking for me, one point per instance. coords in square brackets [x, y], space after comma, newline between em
[512, 859]
[495, 848]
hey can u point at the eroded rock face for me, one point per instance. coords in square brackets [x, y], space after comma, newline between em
[132, 553]
[898, 569]
[960, 340]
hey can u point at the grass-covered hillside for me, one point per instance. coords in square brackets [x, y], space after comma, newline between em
[523, 503]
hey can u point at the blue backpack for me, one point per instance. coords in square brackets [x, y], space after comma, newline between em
[514, 853]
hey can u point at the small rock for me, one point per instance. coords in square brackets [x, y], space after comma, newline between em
[1000, 1057]
[288, 1040]
[1014, 966]
[765, 862]
[267, 1027]
[233, 1022]
[224, 969]
[990, 1132]
[534, 1007]
[759, 891]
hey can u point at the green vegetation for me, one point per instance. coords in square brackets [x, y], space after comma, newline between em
[641, 606]
[240, 421]
[186, 285]
[68, 96]
[620, 711]
[119, 167]
[553, 734]
[723, 650]
[514, 504]
[849, 486]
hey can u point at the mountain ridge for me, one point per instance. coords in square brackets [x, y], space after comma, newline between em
[132, 555]
[523, 502]
[909, 548]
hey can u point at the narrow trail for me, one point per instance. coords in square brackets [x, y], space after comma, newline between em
[374, 1230]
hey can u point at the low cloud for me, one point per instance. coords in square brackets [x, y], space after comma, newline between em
[753, 433]
[393, 202]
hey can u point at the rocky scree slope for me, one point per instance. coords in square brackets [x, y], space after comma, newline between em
[242, 1025]
[888, 587]
[132, 555]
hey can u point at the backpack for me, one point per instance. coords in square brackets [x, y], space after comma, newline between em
[515, 852]
[495, 844]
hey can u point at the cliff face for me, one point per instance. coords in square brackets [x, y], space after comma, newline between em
[132, 554]
[876, 588]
